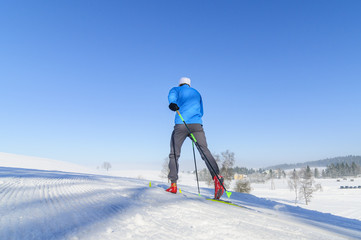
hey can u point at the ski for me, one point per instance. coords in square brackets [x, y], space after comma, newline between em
[225, 202]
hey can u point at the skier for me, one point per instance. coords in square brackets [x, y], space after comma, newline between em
[189, 103]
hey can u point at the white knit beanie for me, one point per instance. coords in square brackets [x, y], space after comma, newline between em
[185, 80]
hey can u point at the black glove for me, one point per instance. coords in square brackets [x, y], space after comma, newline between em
[173, 107]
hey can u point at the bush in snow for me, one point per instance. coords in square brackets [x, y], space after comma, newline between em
[243, 186]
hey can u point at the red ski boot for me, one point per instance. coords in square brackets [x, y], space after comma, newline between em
[173, 188]
[218, 188]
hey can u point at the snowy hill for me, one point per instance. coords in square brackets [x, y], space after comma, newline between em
[49, 204]
[20, 161]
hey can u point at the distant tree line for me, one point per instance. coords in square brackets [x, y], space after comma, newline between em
[246, 171]
[341, 170]
[320, 163]
[300, 181]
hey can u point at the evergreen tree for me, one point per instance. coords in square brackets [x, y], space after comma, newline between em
[272, 174]
[342, 170]
[307, 173]
[316, 173]
[348, 171]
[354, 169]
[324, 175]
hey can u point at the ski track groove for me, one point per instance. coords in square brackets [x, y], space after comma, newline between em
[85, 207]
[4, 188]
[4, 203]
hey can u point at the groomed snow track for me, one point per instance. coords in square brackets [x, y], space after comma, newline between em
[36, 204]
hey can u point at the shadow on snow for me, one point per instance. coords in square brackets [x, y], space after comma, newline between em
[64, 213]
[326, 221]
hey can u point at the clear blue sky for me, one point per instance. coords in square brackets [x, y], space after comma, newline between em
[87, 81]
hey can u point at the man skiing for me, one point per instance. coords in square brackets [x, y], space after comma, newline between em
[189, 103]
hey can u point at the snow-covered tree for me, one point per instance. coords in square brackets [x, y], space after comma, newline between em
[164, 172]
[342, 170]
[316, 173]
[106, 165]
[306, 185]
[205, 176]
[355, 169]
[272, 175]
[227, 162]
[294, 182]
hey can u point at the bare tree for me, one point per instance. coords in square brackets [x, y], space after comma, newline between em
[272, 175]
[306, 185]
[306, 190]
[294, 182]
[106, 165]
[227, 166]
[165, 169]
[226, 162]
[205, 176]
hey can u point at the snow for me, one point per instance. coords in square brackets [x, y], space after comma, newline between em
[39, 203]
[20, 161]
[332, 199]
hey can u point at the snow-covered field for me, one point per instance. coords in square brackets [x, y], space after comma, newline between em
[332, 199]
[38, 203]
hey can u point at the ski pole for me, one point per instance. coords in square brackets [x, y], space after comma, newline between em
[202, 153]
[195, 165]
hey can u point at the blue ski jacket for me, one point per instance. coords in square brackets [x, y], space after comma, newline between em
[189, 102]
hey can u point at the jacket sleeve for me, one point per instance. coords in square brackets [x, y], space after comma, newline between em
[173, 96]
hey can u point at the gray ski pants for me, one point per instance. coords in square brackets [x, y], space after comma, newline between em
[180, 133]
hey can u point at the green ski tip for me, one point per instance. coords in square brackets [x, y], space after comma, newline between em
[229, 194]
